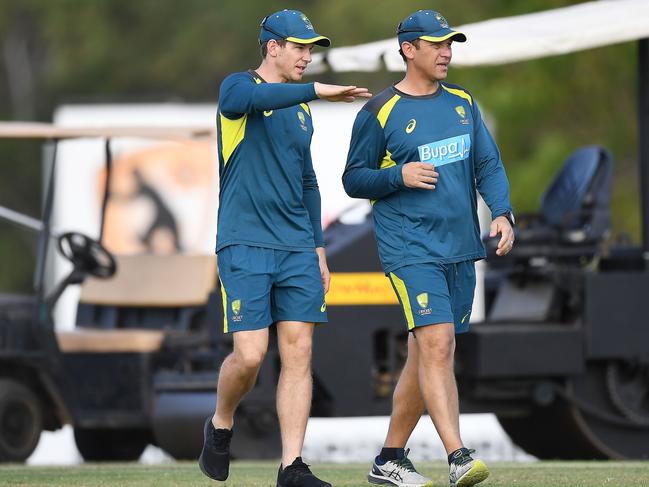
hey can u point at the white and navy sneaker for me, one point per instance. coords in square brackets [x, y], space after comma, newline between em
[464, 471]
[400, 472]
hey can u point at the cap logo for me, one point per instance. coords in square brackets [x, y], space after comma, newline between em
[442, 21]
[307, 22]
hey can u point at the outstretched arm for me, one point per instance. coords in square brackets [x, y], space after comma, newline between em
[239, 94]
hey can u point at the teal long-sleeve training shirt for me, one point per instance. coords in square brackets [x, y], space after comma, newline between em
[269, 194]
[445, 129]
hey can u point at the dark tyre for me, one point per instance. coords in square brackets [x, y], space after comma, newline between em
[21, 421]
[602, 414]
[111, 445]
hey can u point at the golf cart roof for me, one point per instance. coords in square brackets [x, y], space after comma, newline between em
[26, 130]
[510, 39]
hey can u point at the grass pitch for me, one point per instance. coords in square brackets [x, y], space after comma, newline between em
[263, 474]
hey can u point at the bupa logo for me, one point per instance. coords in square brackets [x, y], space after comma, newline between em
[445, 151]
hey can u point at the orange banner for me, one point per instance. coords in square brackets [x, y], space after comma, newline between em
[360, 288]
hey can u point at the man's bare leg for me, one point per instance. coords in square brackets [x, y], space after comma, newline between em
[295, 385]
[407, 401]
[238, 374]
[436, 347]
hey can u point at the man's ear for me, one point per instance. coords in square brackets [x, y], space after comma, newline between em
[273, 47]
[407, 48]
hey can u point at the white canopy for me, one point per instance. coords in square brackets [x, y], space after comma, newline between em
[510, 39]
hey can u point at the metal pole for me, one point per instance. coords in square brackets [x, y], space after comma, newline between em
[109, 170]
[643, 138]
[43, 243]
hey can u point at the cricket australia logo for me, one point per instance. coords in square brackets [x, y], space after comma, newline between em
[307, 22]
[462, 113]
[422, 301]
[236, 310]
[302, 120]
[443, 23]
[446, 151]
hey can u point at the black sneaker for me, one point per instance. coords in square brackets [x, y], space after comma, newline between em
[297, 474]
[215, 457]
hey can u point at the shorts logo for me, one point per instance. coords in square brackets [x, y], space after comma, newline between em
[323, 308]
[446, 151]
[268, 113]
[422, 301]
[302, 119]
[411, 126]
[236, 309]
[465, 317]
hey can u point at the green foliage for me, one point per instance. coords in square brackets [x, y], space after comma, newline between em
[160, 50]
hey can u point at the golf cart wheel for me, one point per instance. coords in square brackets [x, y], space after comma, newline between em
[21, 421]
[111, 445]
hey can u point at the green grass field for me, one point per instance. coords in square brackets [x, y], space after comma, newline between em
[262, 474]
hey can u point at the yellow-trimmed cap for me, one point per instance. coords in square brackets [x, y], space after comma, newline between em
[293, 26]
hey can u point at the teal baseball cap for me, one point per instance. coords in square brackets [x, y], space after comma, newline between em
[427, 25]
[291, 25]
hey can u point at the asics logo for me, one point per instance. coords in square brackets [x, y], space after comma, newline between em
[411, 126]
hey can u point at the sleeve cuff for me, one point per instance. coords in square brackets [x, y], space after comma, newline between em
[311, 91]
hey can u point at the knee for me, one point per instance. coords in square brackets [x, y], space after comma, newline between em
[297, 352]
[250, 358]
[437, 348]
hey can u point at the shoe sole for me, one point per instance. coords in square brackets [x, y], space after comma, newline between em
[475, 475]
[387, 481]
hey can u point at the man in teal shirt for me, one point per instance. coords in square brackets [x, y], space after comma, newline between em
[270, 247]
[419, 151]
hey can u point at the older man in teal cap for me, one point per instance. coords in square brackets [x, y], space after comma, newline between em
[270, 246]
[420, 150]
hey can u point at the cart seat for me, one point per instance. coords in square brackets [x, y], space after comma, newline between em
[86, 340]
[574, 216]
[149, 292]
[154, 281]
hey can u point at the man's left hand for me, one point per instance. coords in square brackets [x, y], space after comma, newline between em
[500, 225]
[324, 270]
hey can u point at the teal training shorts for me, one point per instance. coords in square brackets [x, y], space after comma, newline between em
[262, 286]
[434, 293]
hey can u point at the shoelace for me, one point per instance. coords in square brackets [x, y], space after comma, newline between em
[405, 463]
[466, 458]
[220, 440]
[297, 468]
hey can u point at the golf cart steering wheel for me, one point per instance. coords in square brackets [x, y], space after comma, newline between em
[87, 255]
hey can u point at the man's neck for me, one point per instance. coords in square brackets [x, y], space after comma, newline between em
[269, 73]
[416, 84]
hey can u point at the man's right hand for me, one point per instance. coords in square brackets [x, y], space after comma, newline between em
[340, 93]
[419, 175]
